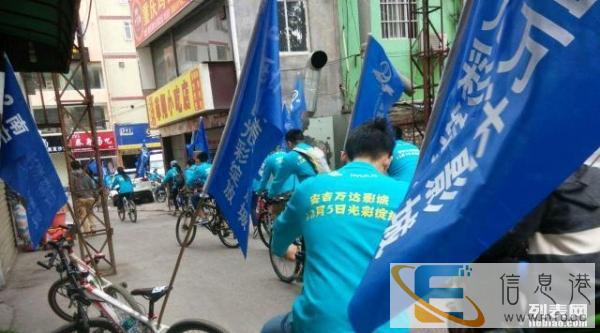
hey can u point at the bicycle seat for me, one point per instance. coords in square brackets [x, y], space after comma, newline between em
[153, 294]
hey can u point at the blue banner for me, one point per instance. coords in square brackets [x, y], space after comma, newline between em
[297, 105]
[142, 163]
[379, 88]
[25, 165]
[516, 114]
[254, 126]
[134, 135]
[199, 141]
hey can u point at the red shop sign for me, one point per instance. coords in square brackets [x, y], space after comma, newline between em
[82, 141]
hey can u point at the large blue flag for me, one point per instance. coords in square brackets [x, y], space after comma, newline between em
[516, 114]
[254, 126]
[298, 104]
[379, 88]
[142, 162]
[24, 162]
[199, 140]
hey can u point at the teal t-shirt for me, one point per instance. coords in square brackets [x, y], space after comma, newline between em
[125, 184]
[202, 171]
[404, 161]
[293, 164]
[342, 216]
[188, 175]
[271, 166]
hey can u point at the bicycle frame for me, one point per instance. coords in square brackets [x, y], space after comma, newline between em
[106, 304]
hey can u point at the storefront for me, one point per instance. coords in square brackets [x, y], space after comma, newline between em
[205, 91]
[130, 138]
[56, 149]
[81, 144]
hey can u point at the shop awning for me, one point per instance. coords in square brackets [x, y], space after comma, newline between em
[38, 35]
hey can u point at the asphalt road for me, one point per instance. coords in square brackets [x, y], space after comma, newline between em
[214, 282]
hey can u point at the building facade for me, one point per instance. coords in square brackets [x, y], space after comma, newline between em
[397, 26]
[114, 81]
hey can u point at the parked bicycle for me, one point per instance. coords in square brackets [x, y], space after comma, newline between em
[128, 207]
[121, 316]
[287, 269]
[212, 219]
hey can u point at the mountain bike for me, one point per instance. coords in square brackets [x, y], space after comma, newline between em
[121, 315]
[58, 297]
[264, 216]
[212, 219]
[128, 207]
[289, 270]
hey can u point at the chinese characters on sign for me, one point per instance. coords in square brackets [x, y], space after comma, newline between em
[82, 141]
[149, 15]
[177, 99]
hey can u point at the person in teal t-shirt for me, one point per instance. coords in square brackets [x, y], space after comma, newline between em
[404, 159]
[271, 166]
[125, 185]
[341, 216]
[189, 173]
[296, 162]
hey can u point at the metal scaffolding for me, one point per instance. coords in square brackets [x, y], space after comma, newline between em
[100, 239]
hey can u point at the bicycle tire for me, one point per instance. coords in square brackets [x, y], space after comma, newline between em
[53, 292]
[196, 326]
[181, 229]
[265, 224]
[161, 196]
[282, 274]
[115, 290]
[226, 235]
[94, 324]
[121, 213]
[132, 211]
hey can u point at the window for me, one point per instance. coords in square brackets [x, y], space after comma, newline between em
[222, 52]
[163, 58]
[398, 19]
[95, 77]
[293, 31]
[77, 112]
[127, 28]
[32, 82]
[47, 119]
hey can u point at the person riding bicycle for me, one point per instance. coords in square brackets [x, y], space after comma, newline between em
[404, 159]
[271, 166]
[202, 167]
[302, 161]
[341, 216]
[189, 173]
[125, 185]
[175, 180]
[155, 176]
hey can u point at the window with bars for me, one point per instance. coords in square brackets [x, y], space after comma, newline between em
[398, 18]
[293, 27]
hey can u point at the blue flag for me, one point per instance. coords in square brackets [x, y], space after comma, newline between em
[511, 122]
[297, 105]
[379, 88]
[24, 162]
[199, 140]
[254, 126]
[142, 162]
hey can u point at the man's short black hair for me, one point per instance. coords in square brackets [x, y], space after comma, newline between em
[190, 162]
[399, 132]
[75, 165]
[294, 136]
[372, 139]
[202, 156]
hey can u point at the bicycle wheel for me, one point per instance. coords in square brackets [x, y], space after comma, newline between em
[265, 223]
[95, 326]
[60, 302]
[121, 213]
[123, 295]
[132, 211]
[285, 269]
[161, 196]
[196, 326]
[184, 222]
[226, 235]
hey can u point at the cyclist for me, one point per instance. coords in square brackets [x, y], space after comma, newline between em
[175, 180]
[404, 160]
[302, 161]
[202, 167]
[125, 185]
[270, 167]
[342, 216]
[155, 176]
[189, 173]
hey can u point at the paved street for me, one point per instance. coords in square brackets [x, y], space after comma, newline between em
[214, 282]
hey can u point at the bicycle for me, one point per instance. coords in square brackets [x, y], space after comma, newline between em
[289, 270]
[58, 297]
[120, 315]
[264, 216]
[128, 206]
[212, 220]
[159, 192]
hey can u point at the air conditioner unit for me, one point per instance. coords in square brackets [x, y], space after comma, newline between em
[437, 43]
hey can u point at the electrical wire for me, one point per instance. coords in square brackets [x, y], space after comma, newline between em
[87, 23]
